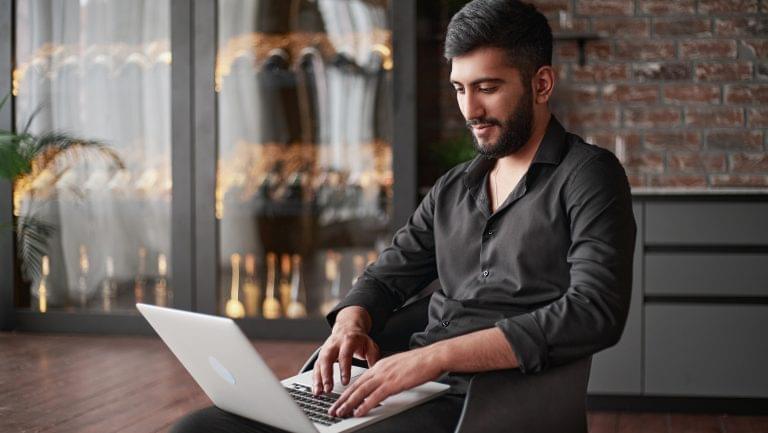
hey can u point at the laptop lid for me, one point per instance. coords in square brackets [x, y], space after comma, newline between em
[226, 366]
[232, 374]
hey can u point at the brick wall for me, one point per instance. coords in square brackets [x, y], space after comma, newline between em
[677, 89]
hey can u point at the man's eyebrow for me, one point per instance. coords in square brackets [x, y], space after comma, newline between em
[481, 80]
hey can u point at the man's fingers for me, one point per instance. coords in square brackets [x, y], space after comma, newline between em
[323, 371]
[317, 380]
[345, 395]
[317, 372]
[357, 396]
[345, 362]
[372, 355]
[326, 371]
[371, 401]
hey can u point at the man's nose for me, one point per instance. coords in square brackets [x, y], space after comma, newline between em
[473, 109]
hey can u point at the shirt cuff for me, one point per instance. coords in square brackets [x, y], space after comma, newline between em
[368, 298]
[527, 341]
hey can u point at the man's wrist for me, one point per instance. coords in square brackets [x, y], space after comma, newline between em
[353, 317]
[439, 354]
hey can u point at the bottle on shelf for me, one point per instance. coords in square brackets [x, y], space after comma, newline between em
[42, 289]
[272, 309]
[82, 282]
[161, 286]
[359, 265]
[294, 191]
[296, 308]
[108, 285]
[140, 281]
[251, 289]
[234, 308]
[333, 282]
[285, 283]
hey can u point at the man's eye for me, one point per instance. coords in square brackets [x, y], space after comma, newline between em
[458, 89]
[488, 89]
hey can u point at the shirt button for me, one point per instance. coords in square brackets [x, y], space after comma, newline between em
[445, 323]
[485, 273]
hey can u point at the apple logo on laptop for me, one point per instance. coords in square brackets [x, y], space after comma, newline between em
[222, 371]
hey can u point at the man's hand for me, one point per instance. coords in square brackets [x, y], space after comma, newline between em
[349, 338]
[389, 376]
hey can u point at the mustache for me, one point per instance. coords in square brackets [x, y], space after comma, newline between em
[483, 121]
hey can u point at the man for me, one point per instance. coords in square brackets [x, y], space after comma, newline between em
[531, 241]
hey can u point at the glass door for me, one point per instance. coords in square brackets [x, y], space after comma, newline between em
[92, 89]
[304, 172]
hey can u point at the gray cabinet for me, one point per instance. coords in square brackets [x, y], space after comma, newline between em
[706, 223]
[706, 350]
[706, 297]
[706, 274]
[699, 303]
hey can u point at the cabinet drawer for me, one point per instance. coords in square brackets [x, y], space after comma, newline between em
[706, 350]
[704, 274]
[705, 223]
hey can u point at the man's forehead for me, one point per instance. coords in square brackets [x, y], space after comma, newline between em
[482, 64]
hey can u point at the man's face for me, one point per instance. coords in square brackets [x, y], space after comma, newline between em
[496, 104]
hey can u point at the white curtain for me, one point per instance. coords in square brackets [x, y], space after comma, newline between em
[100, 69]
[334, 108]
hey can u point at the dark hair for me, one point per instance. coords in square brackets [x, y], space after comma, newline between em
[517, 27]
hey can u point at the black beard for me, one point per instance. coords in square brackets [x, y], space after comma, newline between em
[515, 132]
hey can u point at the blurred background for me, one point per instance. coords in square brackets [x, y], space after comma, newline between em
[249, 158]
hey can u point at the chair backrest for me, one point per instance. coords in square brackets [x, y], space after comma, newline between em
[508, 400]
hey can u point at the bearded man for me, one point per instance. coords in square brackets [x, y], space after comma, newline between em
[531, 241]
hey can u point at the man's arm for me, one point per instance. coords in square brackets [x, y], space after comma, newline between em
[406, 266]
[591, 314]
[401, 270]
[588, 317]
[478, 351]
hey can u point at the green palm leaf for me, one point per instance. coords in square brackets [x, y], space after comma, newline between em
[24, 154]
[32, 235]
[13, 164]
[48, 147]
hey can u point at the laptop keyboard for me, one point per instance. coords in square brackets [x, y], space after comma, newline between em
[316, 407]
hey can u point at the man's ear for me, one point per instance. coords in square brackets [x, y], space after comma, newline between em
[543, 84]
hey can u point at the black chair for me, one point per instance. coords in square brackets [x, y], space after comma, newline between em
[504, 400]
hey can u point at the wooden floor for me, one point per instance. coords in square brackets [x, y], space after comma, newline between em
[54, 383]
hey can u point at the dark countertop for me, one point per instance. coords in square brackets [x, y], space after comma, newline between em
[685, 192]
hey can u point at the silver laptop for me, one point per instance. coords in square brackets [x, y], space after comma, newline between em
[233, 375]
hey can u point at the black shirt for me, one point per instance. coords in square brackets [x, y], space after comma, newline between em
[552, 267]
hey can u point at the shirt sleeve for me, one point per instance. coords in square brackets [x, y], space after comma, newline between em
[591, 315]
[401, 270]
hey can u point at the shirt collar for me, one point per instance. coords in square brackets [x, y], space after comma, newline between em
[550, 151]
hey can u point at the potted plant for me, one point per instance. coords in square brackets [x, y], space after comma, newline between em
[33, 162]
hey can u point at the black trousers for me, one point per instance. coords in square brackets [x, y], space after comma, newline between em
[435, 416]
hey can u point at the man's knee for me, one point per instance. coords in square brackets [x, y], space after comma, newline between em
[214, 420]
[203, 420]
